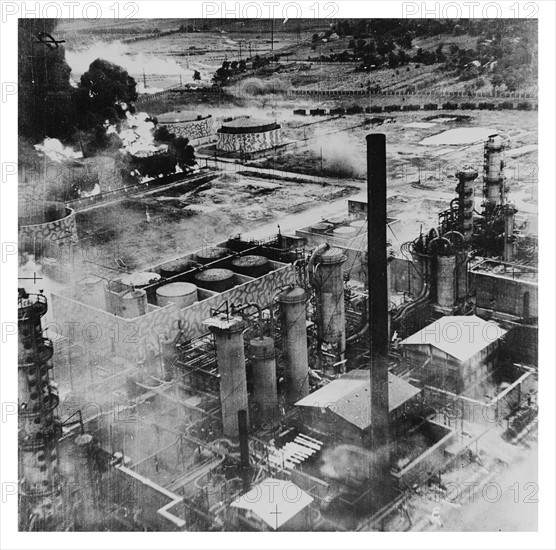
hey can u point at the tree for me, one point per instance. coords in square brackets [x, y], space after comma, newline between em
[196, 75]
[496, 81]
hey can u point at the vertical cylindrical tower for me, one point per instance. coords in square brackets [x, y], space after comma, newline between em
[263, 362]
[85, 476]
[494, 170]
[466, 201]
[328, 281]
[509, 228]
[230, 357]
[41, 505]
[294, 343]
[446, 280]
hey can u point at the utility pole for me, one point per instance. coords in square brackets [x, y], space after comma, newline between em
[272, 35]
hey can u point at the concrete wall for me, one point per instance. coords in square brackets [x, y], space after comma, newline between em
[418, 470]
[134, 338]
[191, 129]
[133, 491]
[63, 229]
[503, 294]
[455, 409]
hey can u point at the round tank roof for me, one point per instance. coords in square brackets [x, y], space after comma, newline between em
[244, 125]
[249, 261]
[213, 253]
[344, 230]
[176, 289]
[261, 348]
[331, 256]
[133, 294]
[294, 295]
[217, 274]
[180, 116]
[141, 278]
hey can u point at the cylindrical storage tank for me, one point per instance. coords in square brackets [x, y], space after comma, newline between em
[328, 281]
[211, 254]
[359, 225]
[217, 280]
[230, 357]
[176, 267]
[140, 279]
[90, 291]
[180, 294]
[252, 266]
[133, 303]
[265, 393]
[321, 227]
[446, 280]
[346, 232]
[294, 343]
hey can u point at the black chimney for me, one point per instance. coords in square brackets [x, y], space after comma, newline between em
[378, 292]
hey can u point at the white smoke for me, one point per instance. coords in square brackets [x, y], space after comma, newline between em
[57, 152]
[120, 54]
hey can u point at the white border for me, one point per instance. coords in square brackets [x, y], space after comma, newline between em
[10, 538]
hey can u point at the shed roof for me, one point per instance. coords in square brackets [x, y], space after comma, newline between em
[349, 396]
[460, 336]
[274, 501]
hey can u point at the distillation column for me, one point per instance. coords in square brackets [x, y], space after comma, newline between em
[494, 171]
[263, 362]
[466, 201]
[328, 280]
[41, 502]
[509, 229]
[230, 356]
[294, 343]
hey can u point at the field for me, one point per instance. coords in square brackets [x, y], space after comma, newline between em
[328, 151]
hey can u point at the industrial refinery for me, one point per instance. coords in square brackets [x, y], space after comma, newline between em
[342, 365]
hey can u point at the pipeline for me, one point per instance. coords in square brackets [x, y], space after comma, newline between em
[311, 262]
[407, 308]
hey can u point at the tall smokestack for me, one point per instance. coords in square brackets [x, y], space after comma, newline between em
[378, 293]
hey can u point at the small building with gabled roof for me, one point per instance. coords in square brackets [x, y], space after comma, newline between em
[273, 505]
[454, 352]
[341, 410]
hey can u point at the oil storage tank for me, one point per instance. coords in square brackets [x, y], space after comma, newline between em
[217, 280]
[175, 267]
[133, 303]
[140, 279]
[345, 232]
[321, 227]
[181, 294]
[90, 291]
[251, 265]
[209, 255]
